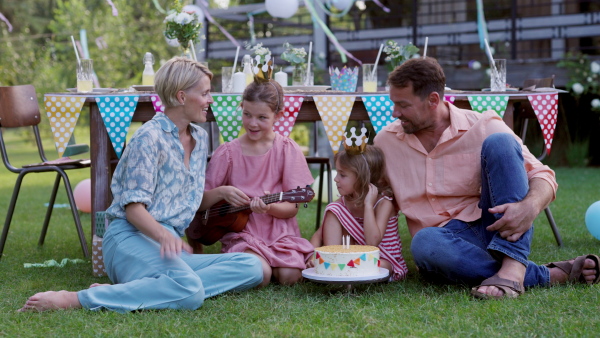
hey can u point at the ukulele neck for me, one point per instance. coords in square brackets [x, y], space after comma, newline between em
[267, 199]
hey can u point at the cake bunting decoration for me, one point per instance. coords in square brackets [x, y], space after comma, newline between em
[356, 144]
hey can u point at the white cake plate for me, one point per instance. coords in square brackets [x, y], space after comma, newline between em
[310, 274]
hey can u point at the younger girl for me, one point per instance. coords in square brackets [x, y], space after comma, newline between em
[365, 210]
[258, 163]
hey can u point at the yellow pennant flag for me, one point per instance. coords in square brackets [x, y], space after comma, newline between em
[335, 112]
[63, 112]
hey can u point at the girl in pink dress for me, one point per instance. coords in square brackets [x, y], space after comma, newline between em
[365, 210]
[262, 162]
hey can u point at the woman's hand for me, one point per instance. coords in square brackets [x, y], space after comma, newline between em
[172, 246]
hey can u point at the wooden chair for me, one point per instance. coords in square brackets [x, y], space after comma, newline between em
[19, 108]
[526, 113]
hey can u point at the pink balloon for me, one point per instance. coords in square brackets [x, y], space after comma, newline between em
[83, 195]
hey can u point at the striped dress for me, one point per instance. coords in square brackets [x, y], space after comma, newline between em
[390, 246]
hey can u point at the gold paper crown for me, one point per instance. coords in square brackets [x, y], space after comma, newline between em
[262, 73]
[359, 144]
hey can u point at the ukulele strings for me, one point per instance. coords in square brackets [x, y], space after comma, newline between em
[228, 208]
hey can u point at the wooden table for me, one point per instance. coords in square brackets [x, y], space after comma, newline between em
[104, 159]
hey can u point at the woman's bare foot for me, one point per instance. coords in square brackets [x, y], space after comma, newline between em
[51, 300]
[98, 284]
[589, 272]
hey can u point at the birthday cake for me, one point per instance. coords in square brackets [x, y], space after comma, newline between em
[348, 261]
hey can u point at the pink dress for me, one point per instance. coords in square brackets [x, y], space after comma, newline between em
[280, 169]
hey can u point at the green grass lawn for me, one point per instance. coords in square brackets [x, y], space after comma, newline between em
[410, 308]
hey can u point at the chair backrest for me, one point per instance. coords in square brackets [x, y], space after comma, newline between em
[19, 107]
[546, 82]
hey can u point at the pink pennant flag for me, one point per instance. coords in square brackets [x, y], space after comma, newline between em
[293, 103]
[545, 107]
[449, 98]
[157, 104]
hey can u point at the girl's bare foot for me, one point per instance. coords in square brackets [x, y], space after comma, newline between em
[51, 300]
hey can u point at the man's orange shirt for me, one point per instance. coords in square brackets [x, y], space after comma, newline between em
[433, 188]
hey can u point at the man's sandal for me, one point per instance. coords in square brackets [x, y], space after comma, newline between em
[510, 288]
[575, 269]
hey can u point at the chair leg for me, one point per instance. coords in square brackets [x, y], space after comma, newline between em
[319, 197]
[49, 210]
[553, 226]
[329, 183]
[76, 218]
[9, 215]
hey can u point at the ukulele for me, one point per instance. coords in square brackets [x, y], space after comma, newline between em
[211, 225]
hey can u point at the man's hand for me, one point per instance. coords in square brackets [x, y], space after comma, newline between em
[517, 219]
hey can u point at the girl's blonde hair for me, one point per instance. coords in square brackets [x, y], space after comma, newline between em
[369, 167]
[175, 75]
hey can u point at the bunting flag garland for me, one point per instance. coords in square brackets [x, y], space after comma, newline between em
[352, 263]
[450, 98]
[293, 103]
[545, 107]
[335, 112]
[227, 112]
[157, 103]
[380, 109]
[481, 103]
[116, 112]
[63, 112]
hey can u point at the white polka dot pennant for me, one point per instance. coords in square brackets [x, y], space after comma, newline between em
[293, 103]
[545, 107]
[157, 104]
[335, 111]
[63, 113]
[116, 112]
[481, 103]
[228, 114]
[380, 109]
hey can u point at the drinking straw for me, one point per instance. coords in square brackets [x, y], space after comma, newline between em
[425, 49]
[193, 50]
[76, 52]
[489, 54]
[376, 61]
[308, 69]
[237, 52]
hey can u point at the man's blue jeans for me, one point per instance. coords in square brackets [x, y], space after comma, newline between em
[465, 252]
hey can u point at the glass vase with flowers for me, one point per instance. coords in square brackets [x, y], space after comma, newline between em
[182, 26]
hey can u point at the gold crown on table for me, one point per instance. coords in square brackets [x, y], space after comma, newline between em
[359, 144]
[262, 73]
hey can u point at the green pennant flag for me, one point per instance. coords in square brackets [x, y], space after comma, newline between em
[481, 103]
[228, 114]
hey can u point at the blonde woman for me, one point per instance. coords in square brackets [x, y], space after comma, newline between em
[157, 187]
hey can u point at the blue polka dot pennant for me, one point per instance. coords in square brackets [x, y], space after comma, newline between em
[380, 109]
[228, 114]
[481, 103]
[116, 112]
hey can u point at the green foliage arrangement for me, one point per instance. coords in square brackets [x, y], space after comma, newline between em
[295, 56]
[182, 26]
[259, 50]
[397, 54]
[584, 77]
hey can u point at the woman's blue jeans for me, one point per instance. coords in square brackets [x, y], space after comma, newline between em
[465, 252]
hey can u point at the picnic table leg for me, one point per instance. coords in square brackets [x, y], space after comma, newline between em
[101, 166]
